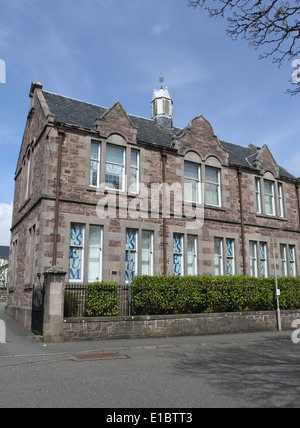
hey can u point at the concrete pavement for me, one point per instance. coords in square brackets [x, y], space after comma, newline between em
[20, 341]
[236, 370]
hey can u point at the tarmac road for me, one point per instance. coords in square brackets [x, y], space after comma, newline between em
[222, 371]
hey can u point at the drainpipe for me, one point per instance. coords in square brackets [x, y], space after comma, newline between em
[164, 220]
[298, 198]
[61, 139]
[239, 174]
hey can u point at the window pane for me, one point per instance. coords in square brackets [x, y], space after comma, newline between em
[95, 250]
[283, 259]
[114, 176]
[94, 173]
[95, 151]
[114, 169]
[280, 200]
[191, 191]
[291, 254]
[134, 159]
[94, 264]
[177, 244]
[191, 170]
[212, 175]
[134, 172]
[191, 182]
[230, 257]
[292, 260]
[229, 247]
[76, 252]
[253, 258]
[263, 259]
[133, 180]
[257, 192]
[178, 256]
[212, 186]
[218, 250]
[147, 253]
[114, 154]
[131, 253]
[131, 240]
[95, 235]
[192, 255]
[269, 204]
[269, 197]
[268, 187]
[75, 265]
[212, 197]
[76, 236]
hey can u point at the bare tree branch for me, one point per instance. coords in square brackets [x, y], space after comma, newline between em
[272, 25]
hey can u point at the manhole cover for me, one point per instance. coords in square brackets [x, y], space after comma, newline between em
[98, 355]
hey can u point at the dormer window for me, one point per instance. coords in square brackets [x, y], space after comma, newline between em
[114, 167]
[269, 197]
[192, 182]
[212, 185]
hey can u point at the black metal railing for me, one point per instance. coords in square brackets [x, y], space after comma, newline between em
[81, 300]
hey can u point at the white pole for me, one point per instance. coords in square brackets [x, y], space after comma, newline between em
[2, 332]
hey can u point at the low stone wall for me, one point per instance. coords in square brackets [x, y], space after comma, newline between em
[175, 325]
[22, 315]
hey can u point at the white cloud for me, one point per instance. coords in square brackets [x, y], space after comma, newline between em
[5, 223]
[159, 28]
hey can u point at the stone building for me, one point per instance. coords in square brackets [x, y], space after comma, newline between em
[103, 194]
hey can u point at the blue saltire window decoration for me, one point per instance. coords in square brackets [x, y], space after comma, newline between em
[76, 252]
[230, 256]
[131, 253]
[178, 254]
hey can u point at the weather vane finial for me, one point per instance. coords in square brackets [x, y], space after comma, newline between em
[161, 79]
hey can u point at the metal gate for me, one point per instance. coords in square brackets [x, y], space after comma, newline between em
[37, 316]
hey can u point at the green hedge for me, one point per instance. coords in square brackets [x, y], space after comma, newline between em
[101, 299]
[154, 295]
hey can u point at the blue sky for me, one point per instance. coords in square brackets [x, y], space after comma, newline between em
[101, 51]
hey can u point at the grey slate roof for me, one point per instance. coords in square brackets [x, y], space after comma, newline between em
[83, 114]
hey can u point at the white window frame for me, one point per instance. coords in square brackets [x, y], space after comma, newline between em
[263, 260]
[280, 200]
[134, 251]
[253, 259]
[97, 161]
[283, 260]
[217, 185]
[179, 254]
[107, 186]
[219, 257]
[258, 195]
[148, 252]
[271, 196]
[193, 254]
[98, 247]
[136, 169]
[74, 247]
[232, 257]
[292, 263]
[196, 181]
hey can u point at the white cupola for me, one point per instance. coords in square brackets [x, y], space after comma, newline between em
[162, 107]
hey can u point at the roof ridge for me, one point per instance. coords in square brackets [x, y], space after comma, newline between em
[235, 144]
